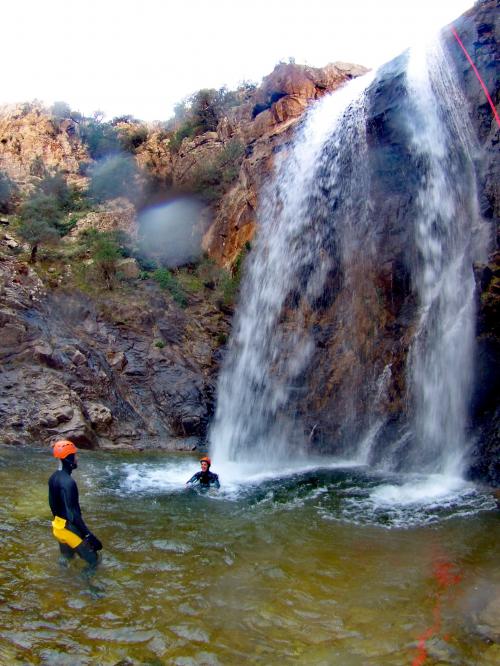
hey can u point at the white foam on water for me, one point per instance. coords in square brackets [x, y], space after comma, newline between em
[397, 502]
[234, 477]
[428, 490]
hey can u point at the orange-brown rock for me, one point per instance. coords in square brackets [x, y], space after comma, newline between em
[31, 140]
[265, 124]
[154, 156]
[194, 153]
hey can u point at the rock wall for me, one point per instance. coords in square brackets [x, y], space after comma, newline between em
[363, 323]
[265, 125]
[31, 140]
[479, 31]
[132, 372]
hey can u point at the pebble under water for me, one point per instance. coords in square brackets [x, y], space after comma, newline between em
[321, 565]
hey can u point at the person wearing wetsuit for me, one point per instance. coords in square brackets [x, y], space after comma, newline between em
[205, 479]
[68, 526]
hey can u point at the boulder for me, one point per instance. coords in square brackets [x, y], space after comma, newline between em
[129, 268]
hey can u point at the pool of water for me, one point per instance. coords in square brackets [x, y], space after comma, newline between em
[322, 564]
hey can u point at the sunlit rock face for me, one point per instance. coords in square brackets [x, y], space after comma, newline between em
[116, 215]
[265, 125]
[30, 140]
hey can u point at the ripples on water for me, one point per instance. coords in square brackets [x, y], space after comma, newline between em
[339, 491]
[296, 566]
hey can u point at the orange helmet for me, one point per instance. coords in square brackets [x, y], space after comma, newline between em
[206, 459]
[63, 448]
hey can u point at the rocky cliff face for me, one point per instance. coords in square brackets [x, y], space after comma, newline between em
[127, 372]
[31, 140]
[134, 370]
[479, 31]
[265, 125]
[364, 322]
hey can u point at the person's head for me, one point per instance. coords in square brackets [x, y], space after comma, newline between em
[65, 451]
[205, 463]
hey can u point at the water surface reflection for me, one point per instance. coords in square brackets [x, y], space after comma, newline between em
[313, 567]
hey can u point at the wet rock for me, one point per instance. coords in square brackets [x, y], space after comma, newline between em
[78, 358]
[488, 620]
[481, 607]
[117, 360]
[99, 416]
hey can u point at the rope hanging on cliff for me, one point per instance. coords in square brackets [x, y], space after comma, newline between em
[495, 113]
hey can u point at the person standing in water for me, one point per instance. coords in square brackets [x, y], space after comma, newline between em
[206, 479]
[68, 526]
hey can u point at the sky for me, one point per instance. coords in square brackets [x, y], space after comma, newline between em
[142, 57]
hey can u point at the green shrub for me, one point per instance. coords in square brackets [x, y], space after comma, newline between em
[167, 281]
[37, 167]
[212, 178]
[221, 339]
[133, 137]
[232, 280]
[36, 232]
[160, 344]
[202, 111]
[100, 138]
[106, 254]
[190, 281]
[60, 110]
[43, 207]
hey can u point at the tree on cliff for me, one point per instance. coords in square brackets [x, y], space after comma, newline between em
[201, 113]
[106, 250]
[36, 232]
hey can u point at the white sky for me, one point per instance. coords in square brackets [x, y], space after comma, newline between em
[126, 56]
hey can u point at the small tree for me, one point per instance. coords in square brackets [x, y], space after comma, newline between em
[41, 206]
[37, 232]
[106, 254]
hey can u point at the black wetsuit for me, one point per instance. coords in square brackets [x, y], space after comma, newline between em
[64, 502]
[205, 479]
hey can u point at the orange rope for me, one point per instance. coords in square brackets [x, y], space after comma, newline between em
[495, 112]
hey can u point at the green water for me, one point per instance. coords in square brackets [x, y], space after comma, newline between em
[301, 570]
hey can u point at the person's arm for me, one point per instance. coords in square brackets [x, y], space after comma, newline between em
[216, 483]
[69, 496]
[194, 479]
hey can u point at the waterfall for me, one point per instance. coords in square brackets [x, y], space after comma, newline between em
[266, 358]
[441, 358]
[321, 235]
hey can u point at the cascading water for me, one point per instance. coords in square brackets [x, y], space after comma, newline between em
[323, 231]
[266, 358]
[441, 358]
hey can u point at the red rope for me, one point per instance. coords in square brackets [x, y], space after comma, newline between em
[495, 113]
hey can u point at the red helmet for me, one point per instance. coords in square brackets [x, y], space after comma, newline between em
[206, 459]
[63, 448]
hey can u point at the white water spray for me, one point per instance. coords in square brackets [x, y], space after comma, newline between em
[265, 358]
[441, 359]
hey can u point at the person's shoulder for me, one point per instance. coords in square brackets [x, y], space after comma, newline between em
[214, 475]
[55, 475]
